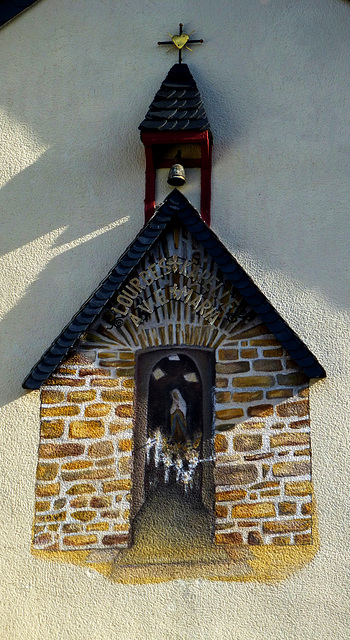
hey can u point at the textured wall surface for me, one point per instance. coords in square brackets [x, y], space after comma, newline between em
[76, 82]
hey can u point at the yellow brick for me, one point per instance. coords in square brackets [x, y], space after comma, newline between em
[128, 384]
[287, 526]
[259, 510]
[51, 397]
[47, 471]
[303, 488]
[116, 485]
[99, 526]
[79, 541]
[223, 396]
[54, 412]
[64, 382]
[77, 464]
[247, 396]
[221, 444]
[124, 411]
[125, 465]
[52, 517]
[116, 427]
[52, 429]
[254, 381]
[281, 540]
[84, 516]
[86, 429]
[127, 355]
[87, 371]
[81, 396]
[97, 410]
[104, 382]
[79, 489]
[101, 449]
[283, 469]
[125, 445]
[228, 496]
[121, 527]
[66, 371]
[289, 440]
[112, 395]
[303, 539]
[43, 505]
[221, 511]
[229, 414]
[46, 490]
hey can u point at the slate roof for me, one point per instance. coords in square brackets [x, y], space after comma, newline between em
[11, 8]
[174, 205]
[177, 106]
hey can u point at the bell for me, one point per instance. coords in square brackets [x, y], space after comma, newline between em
[177, 176]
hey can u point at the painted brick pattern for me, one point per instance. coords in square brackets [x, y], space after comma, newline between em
[262, 444]
[83, 488]
[263, 456]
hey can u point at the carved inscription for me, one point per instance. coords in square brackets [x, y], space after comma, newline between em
[210, 301]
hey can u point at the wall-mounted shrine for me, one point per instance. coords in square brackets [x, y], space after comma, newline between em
[177, 387]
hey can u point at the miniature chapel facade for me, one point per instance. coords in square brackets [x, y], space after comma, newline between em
[176, 372]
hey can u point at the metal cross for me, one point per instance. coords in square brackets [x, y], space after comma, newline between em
[180, 41]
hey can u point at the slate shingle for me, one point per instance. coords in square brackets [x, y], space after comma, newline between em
[177, 105]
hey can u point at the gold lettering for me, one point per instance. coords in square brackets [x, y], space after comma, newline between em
[145, 307]
[195, 301]
[146, 277]
[160, 297]
[135, 282]
[211, 319]
[135, 319]
[205, 306]
[119, 312]
[126, 301]
[153, 271]
[163, 265]
[184, 266]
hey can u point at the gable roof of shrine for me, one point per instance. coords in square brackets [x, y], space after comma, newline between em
[174, 206]
[177, 106]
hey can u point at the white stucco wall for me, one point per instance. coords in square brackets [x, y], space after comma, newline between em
[77, 78]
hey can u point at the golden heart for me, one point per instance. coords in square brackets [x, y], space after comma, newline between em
[180, 41]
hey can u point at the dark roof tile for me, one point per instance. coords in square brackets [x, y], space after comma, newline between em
[177, 105]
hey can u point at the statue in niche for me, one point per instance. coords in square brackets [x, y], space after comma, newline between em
[174, 444]
[178, 413]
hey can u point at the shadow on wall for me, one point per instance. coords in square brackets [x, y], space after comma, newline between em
[51, 265]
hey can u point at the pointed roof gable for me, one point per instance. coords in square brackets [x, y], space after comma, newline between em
[177, 106]
[175, 205]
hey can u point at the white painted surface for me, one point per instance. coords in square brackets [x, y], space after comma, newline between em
[77, 79]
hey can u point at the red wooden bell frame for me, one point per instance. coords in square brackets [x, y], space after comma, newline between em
[153, 140]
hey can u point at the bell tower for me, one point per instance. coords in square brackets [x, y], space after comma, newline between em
[177, 137]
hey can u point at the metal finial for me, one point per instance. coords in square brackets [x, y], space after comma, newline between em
[181, 41]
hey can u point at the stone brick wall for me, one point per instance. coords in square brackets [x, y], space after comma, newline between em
[262, 442]
[85, 454]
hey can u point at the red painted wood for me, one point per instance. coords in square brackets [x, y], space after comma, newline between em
[206, 181]
[150, 187]
[151, 139]
[172, 137]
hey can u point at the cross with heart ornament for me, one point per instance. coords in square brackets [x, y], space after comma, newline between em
[180, 41]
